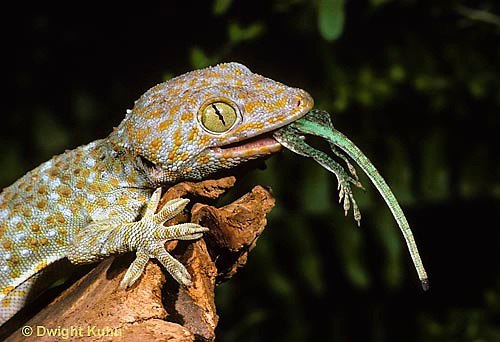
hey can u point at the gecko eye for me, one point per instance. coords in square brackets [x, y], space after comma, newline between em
[218, 116]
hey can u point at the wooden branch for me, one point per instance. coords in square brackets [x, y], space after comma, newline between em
[156, 308]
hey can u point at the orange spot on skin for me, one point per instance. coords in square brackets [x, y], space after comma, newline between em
[93, 187]
[258, 125]
[50, 220]
[41, 205]
[3, 228]
[40, 266]
[174, 109]
[279, 118]
[80, 184]
[13, 261]
[7, 244]
[193, 134]
[62, 231]
[155, 145]
[177, 136]
[60, 218]
[74, 208]
[186, 116]
[7, 289]
[19, 226]
[142, 133]
[42, 190]
[64, 191]
[117, 168]
[164, 125]
[155, 113]
[122, 200]
[103, 187]
[202, 160]
[242, 128]
[131, 178]
[114, 182]
[15, 274]
[17, 207]
[21, 185]
[32, 243]
[6, 302]
[102, 202]
[85, 173]
[53, 172]
[204, 140]
[35, 228]
[280, 103]
[171, 155]
[44, 241]
[27, 212]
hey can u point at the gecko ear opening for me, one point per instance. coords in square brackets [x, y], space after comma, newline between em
[154, 172]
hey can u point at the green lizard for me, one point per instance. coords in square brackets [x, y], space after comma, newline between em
[318, 123]
[100, 199]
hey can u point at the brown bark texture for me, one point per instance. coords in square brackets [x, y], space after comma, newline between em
[156, 308]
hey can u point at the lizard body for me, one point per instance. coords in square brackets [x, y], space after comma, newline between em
[100, 199]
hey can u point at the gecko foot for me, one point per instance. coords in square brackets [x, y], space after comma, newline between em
[149, 235]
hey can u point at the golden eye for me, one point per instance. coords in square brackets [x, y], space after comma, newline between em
[218, 117]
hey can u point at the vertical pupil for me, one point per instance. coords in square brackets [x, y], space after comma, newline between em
[219, 115]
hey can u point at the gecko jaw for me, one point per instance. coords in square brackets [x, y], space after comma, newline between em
[258, 146]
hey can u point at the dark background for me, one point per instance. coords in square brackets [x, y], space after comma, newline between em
[415, 84]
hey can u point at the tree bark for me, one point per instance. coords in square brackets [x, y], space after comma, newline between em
[156, 308]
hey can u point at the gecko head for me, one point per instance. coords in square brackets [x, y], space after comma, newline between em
[208, 120]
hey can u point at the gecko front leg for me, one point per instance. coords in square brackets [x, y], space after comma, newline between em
[146, 237]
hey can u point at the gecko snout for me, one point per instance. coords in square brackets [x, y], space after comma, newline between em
[302, 101]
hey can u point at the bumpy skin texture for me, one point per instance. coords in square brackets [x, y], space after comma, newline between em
[101, 198]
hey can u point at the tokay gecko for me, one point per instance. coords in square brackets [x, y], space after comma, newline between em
[101, 199]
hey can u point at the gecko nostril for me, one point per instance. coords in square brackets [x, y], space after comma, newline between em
[299, 103]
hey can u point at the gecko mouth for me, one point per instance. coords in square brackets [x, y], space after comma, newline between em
[257, 146]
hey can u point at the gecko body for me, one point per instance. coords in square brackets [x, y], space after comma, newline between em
[101, 198]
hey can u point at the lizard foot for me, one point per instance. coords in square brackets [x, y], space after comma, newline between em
[149, 235]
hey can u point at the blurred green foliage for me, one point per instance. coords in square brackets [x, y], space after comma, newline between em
[416, 84]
